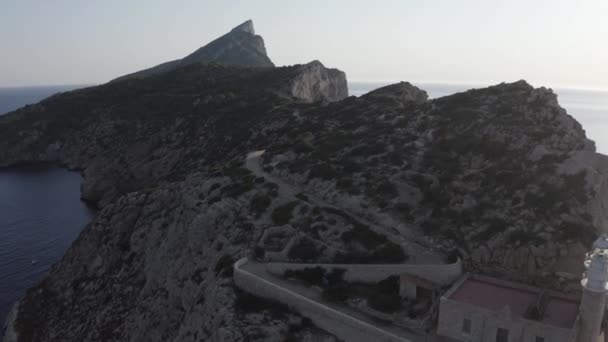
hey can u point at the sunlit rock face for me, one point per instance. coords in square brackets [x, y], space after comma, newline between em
[501, 175]
[317, 83]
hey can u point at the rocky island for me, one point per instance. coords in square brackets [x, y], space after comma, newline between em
[501, 177]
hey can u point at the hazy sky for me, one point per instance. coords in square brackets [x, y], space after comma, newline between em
[553, 42]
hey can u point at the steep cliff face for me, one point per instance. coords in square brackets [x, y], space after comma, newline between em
[241, 46]
[317, 83]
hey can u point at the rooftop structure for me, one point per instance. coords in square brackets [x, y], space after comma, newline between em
[479, 308]
[494, 295]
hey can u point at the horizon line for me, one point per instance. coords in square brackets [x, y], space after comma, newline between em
[387, 82]
[487, 84]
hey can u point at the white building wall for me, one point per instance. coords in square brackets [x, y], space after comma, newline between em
[484, 324]
[592, 313]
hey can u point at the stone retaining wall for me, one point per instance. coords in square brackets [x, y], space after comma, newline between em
[443, 274]
[343, 326]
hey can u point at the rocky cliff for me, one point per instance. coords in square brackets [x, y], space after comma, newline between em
[317, 83]
[241, 46]
[501, 175]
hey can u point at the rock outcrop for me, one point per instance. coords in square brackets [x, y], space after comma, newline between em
[241, 47]
[403, 92]
[317, 83]
[502, 175]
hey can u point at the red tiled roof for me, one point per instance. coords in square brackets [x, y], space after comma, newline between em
[559, 311]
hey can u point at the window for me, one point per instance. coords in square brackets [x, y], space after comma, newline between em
[502, 335]
[466, 326]
[540, 339]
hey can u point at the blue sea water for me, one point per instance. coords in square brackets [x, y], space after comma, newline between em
[41, 213]
[13, 98]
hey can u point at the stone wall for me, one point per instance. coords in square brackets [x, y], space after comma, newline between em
[443, 274]
[343, 326]
[563, 260]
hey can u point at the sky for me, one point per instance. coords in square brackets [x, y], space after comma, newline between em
[556, 43]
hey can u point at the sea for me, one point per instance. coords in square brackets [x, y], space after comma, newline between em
[41, 213]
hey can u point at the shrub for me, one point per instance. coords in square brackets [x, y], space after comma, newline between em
[224, 266]
[302, 147]
[389, 285]
[259, 252]
[350, 166]
[236, 189]
[351, 257]
[336, 276]
[387, 189]
[295, 329]
[527, 238]
[259, 203]
[344, 183]
[304, 250]
[323, 171]
[311, 276]
[388, 303]
[246, 302]
[365, 236]
[283, 214]
[338, 293]
[389, 253]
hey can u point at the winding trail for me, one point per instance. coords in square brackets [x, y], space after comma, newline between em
[418, 254]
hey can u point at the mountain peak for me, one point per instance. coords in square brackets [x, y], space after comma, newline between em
[233, 48]
[245, 27]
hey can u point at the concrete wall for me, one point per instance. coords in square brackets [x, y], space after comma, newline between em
[343, 326]
[443, 274]
[484, 324]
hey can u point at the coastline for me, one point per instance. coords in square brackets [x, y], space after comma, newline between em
[9, 334]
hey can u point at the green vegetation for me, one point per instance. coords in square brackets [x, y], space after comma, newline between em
[364, 236]
[248, 303]
[223, 267]
[318, 276]
[387, 189]
[282, 215]
[259, 203]
[388, 253]
[304, 250]
[238, 188]
[259, 252]
[322, 171]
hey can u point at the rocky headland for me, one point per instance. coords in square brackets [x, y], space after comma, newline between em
[501, 176]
